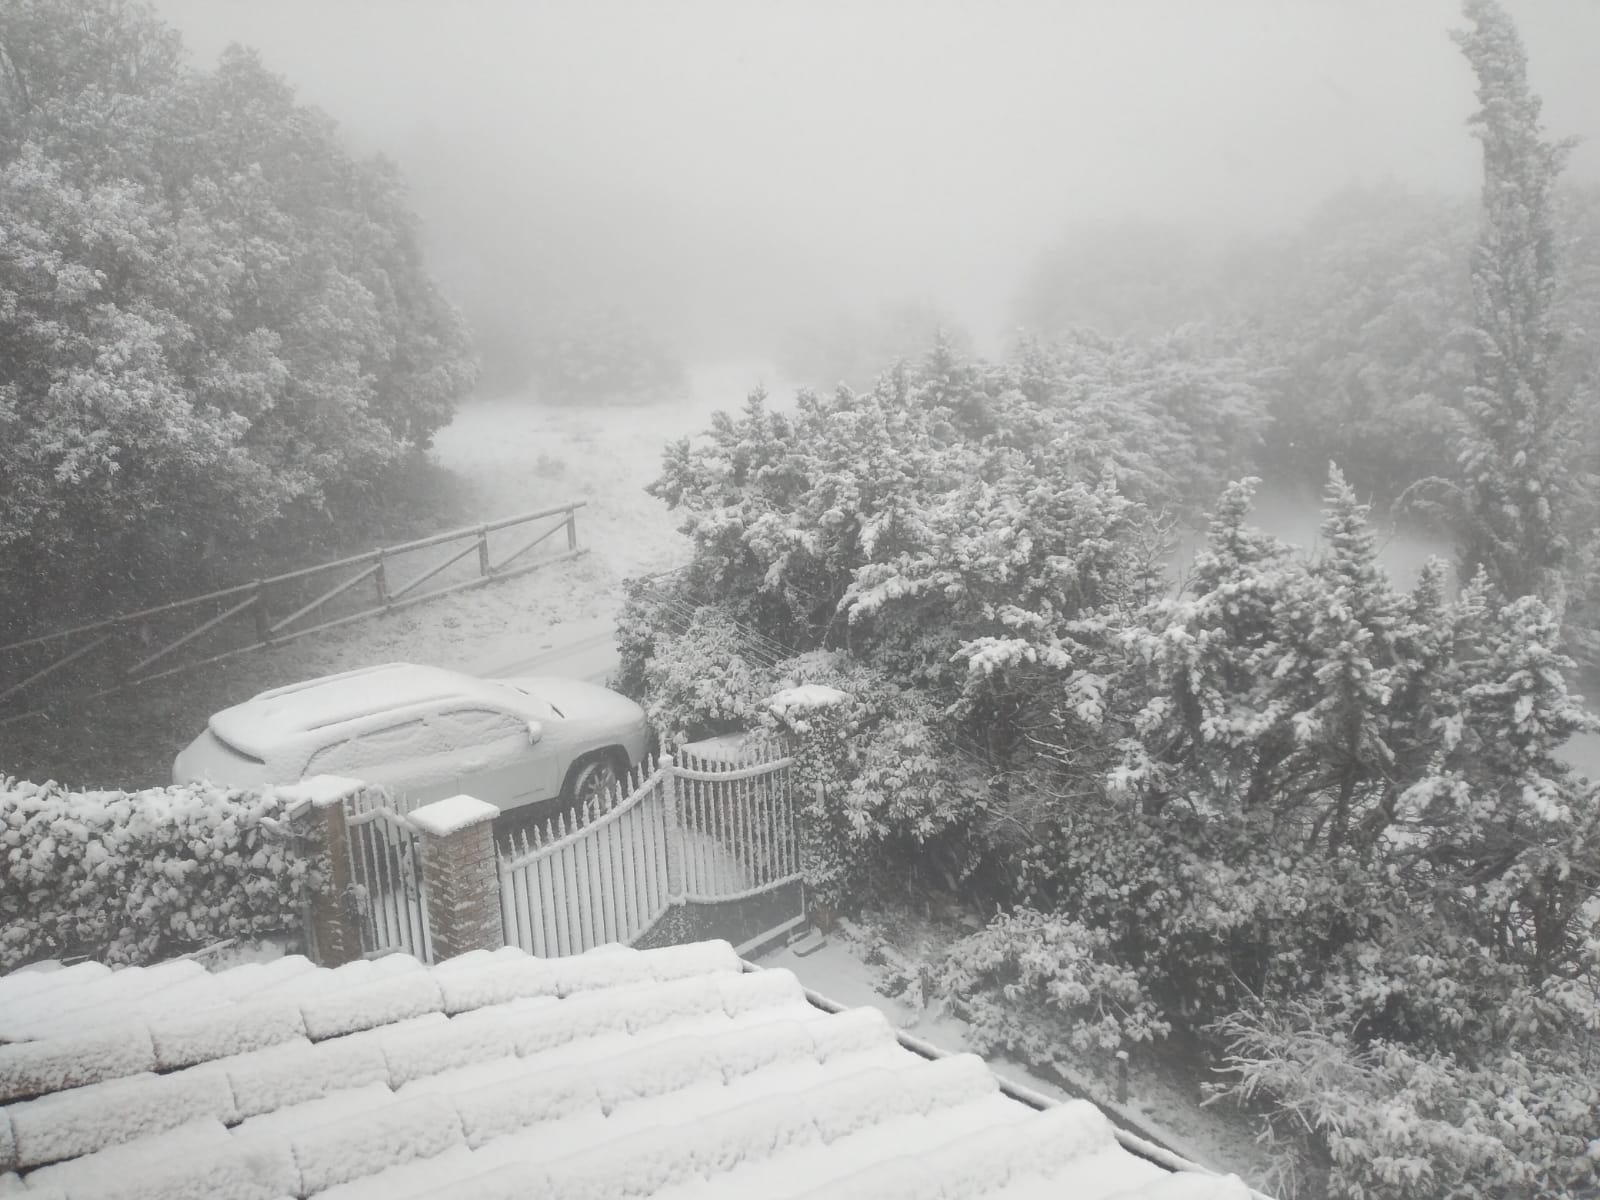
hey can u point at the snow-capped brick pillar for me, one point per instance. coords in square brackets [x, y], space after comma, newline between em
[460, 875]
[334, 922]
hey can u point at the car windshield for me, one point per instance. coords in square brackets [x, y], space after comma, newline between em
[522, 691]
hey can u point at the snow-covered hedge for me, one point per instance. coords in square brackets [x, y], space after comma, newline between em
[134, 876]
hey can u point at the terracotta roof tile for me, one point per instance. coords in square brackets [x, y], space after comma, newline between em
[55, 1064]
[182, 1039]
[372, 1004]
[82, 1120]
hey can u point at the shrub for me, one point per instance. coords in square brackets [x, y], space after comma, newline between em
[883, 800]
[700, 683]
[135, 876]
[1036, 983]
[1383, 1119]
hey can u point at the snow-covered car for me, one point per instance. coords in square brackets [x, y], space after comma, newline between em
[427, 733]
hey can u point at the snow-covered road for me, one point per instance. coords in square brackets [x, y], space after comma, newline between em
[575, 650]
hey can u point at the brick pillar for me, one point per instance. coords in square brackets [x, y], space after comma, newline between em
[460, 875]
[334, 923]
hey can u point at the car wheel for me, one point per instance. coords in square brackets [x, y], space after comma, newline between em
[593, 783]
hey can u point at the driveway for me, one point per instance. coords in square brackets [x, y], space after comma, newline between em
[573, 649]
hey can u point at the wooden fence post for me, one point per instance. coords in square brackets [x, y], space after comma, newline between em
[572, 529]
[460, 874]
[381, 578]
[483, 550]
[669, 808]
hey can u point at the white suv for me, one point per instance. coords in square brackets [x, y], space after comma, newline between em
[428, 733]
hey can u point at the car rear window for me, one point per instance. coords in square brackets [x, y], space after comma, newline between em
[233, 751]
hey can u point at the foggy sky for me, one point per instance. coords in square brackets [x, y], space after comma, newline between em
[727, 167]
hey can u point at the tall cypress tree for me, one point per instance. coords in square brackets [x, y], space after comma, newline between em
[1519, 424]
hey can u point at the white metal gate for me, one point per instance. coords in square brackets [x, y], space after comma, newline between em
[386, 870]
[568, 888]
[737, 822]
[709, 828]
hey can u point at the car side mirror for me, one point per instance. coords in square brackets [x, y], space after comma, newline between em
[535, 732]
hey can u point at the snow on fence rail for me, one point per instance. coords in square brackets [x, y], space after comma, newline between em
[711, 827]
[98, 659]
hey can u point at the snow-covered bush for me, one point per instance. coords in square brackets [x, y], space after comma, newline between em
[700, 683]
[1035, 984]
[1380, 1118]
[960, 536]
[133, 876]
[882, 794]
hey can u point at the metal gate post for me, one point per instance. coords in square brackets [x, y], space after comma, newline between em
[669, 808]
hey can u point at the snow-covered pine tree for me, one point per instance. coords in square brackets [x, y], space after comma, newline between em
[1515, 448]
[1350, 634]
[1510, 827]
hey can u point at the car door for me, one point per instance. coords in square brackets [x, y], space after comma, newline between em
[498, 761]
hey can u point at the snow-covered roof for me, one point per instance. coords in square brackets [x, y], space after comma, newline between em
[617, 1073]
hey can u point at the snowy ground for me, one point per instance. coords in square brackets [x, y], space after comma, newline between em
[517, 456]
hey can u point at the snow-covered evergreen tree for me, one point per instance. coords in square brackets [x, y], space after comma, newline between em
[1520, 422]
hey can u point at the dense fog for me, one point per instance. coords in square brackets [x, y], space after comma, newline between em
[728, 170]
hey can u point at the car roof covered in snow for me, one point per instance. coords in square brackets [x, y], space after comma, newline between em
[323, 710]
[672, 1073]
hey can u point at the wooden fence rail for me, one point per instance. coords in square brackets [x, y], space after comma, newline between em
[107, 656]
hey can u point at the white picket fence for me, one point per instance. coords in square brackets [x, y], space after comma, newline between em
[710, 827]
[571, 886]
